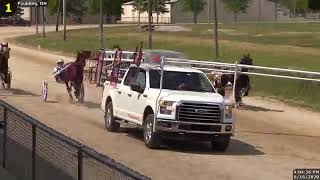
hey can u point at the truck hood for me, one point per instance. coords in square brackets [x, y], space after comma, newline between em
[191, 96]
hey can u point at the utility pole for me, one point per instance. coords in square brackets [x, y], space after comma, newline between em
[216, 29]
[139, 13]
[209, 11]
[294, 8]
[150, 31]
[64, 21]
[101, 26]
[37, 22]
[58, 15]
[276, 10]
[43, 22]
[259, 16]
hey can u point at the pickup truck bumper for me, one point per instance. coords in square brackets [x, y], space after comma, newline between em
[164, 125]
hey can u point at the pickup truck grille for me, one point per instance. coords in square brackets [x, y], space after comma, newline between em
[200, 113]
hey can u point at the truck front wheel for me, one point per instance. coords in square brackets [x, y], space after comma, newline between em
[151, 139]
[220, 143]
[110, 123]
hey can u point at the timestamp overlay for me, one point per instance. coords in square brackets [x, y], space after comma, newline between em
[306, 174]
[32, 3]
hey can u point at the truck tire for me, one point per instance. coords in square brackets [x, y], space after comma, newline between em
[151, 139]
[110, 123]
[220, 143]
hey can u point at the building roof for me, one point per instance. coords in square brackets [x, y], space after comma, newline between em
[131, 2]
[28, 0]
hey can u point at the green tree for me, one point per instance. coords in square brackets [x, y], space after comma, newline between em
[237, 7]
[138, 6]
[276, 4]
[19, 12]
[157, 6]
[314, 5]
[194, 6]
[295, 5]
[53, 6]
[110, 7]
[74, 7]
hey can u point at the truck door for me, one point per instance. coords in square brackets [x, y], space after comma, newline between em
[138, 99]
[125, 94]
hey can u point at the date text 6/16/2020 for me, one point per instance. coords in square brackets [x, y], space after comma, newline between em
[306, 174]
[32, 3]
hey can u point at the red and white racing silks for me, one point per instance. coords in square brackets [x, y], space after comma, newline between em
[116, 67]
[100, 59]
[137, 57]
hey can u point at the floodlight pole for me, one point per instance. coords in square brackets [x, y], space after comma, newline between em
[259, 15]
[64, 21]
[37, 22]
[150, 31]
[101, 26]
[43, 22]
[216, 29]
[209, 11]
[139, 15]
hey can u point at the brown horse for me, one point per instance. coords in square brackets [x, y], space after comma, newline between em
[4, 67]
[242, 86]
[73, 74]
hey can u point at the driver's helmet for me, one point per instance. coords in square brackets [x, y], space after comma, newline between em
[61, 61]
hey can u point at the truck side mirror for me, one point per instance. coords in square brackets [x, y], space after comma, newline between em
[136, 87]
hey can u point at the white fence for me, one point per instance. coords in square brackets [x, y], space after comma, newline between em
[229, 68]
[235, 69]
[127, 56]
[104, 67]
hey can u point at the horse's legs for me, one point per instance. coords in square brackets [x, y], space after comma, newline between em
[5, 72]
[69, 90]
[248, 87]
[2, 80]
[77, 88]
[238, 93]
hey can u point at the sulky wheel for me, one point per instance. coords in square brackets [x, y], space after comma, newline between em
[44, 91]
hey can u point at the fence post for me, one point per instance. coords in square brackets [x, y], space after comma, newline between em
[34, 141]
[80, 164]
[4, 153]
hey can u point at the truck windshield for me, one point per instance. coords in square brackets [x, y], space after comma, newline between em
[183, 81]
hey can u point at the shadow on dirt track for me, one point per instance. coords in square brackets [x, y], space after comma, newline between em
[19, 92]
[91, 105]
[237, 147]
[279, 134]
[257, 108]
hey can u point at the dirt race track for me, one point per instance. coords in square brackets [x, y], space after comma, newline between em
[271, 138]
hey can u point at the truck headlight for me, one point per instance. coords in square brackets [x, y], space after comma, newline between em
[228, 111]
[166, 107]
[228, 91]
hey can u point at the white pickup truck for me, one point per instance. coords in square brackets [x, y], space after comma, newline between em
[187, 105]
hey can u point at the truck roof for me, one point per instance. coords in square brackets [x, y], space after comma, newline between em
[148, 66]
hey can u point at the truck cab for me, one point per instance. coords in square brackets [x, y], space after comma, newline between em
[167, 103]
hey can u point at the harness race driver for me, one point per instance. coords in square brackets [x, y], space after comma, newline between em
[58, 68]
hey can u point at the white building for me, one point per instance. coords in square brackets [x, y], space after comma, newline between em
[26, 13]
[176, 14]
[131, 16]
